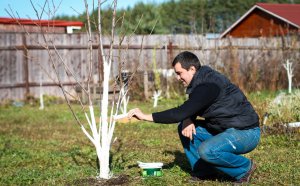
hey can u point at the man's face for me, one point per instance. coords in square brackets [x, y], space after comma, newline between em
[183, 75]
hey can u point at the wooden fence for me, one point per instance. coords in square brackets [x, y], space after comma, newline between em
[253, 64]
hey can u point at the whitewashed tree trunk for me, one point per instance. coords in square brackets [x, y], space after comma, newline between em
[156, 96]
[124, 101]
[289, 70]
[41, 93]
[104, 160]
[100, 134]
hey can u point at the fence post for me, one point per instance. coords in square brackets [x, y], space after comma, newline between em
[145, 77]
[170, 52]
[25, 67]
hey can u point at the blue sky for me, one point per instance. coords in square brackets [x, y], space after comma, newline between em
[25, 10]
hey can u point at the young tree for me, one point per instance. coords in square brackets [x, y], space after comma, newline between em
[41, 92]
[101, 134]
[289, 71]
[98, 131]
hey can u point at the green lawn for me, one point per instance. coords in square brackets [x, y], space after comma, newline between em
[48, 148]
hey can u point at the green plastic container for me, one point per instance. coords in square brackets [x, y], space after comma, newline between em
[151, 169]
[152, 172]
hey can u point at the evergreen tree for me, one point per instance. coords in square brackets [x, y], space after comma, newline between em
[177, 16]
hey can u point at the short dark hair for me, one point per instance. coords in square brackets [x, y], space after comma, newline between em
[187, 59]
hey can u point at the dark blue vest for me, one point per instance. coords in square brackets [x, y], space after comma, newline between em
[231, 109]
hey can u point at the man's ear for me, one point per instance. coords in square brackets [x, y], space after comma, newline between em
[193, 69]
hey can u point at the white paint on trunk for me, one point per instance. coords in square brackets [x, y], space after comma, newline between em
[41, 101]
[289, 70]
[101, 136]
[156, 96]
[124, 100]
[104, 156]
[41, 92]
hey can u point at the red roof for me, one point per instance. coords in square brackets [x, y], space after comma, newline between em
[55, 23]
[290, 12]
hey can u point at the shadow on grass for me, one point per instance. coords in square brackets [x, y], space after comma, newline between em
[116, 180]
[80, 158]
[180, 160]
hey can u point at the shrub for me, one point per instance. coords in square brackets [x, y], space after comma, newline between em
[285, 108]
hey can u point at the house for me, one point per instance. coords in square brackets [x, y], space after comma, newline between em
[265, 20]
[33, 26]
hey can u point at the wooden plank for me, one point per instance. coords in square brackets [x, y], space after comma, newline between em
[73, 49]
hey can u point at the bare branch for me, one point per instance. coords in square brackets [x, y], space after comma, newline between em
[140, 52]
[36, 11]
[100, 31]
[112, 33]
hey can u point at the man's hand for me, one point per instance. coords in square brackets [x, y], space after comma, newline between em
[137, 113]
[188, 128]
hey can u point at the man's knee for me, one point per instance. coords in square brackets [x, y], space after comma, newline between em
[207, 153]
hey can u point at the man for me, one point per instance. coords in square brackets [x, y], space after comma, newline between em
[229, 125]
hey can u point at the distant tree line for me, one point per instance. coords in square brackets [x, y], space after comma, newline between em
[176, 16]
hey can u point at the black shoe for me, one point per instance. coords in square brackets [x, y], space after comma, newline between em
[246, 178]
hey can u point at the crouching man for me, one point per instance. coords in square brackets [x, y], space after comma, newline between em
[230, 126]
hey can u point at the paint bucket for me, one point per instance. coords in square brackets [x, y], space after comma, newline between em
[151, 169]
